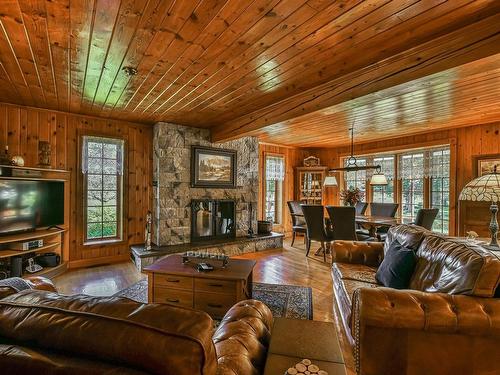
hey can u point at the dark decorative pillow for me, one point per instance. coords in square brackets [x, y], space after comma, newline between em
[398, 265]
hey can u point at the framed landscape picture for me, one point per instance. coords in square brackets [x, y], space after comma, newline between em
[486, 164]
[213, 167]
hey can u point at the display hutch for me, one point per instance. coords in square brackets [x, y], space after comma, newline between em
[55, 240]
[309, 184]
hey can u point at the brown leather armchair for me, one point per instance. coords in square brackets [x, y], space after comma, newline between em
[42, 332]
[446, 322]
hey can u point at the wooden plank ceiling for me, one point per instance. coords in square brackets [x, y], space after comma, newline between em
[457, 97]
[234, 66]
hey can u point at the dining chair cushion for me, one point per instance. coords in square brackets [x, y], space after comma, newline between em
[397, 268]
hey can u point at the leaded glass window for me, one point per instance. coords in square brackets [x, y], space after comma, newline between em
[275, 174]
[102, 168]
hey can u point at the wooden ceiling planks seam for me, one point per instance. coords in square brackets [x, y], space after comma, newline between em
[240, 67]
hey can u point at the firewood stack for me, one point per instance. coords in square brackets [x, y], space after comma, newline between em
[305, 367]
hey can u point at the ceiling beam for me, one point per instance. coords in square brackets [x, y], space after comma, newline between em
[473, 42]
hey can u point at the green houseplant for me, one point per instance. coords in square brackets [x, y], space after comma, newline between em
[351, 196]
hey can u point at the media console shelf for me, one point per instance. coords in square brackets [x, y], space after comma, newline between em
[55, 240]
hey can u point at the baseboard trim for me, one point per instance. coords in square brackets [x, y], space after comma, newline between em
[98, 261]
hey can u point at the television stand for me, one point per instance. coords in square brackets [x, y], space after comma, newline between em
[53, 241]
[55, 227]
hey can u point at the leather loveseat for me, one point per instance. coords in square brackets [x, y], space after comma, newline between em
[42, 332]
[447, 322]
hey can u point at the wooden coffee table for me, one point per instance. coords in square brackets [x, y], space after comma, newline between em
[173, 283]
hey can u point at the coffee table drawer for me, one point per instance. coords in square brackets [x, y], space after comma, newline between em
[174, 297]
[216, 305]
[174, 281]
[216, 286]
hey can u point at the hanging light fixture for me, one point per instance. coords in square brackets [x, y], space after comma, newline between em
[378, 178]
[330, 181]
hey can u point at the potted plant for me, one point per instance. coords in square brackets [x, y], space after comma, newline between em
[351, 196]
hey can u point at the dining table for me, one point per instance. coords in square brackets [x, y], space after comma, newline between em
[372, 223]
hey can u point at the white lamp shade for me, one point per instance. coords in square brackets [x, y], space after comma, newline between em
[378, 179]
[330, 181]
[485, 188]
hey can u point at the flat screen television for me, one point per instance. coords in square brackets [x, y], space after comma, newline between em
[26, 205]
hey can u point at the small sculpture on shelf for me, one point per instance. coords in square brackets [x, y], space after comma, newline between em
[17, 160]
[147, 232]
[44, 154]
[5, 158]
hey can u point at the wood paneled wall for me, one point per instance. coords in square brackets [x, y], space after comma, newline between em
[467, 142]
[290, 155]
[22, 127]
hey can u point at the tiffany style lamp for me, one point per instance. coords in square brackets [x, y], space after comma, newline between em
[486, 189]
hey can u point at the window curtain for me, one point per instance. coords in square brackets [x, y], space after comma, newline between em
[429, 163]
[109, 150]
[433, 162]
[275, 168]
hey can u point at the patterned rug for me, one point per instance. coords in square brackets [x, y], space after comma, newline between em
[288, 301]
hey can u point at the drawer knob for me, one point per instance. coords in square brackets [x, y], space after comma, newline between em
[216, 285]
[214, 305]
[173, 280]
[172, 300]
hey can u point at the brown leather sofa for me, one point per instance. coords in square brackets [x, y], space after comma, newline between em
[42, 332]
[447, 322]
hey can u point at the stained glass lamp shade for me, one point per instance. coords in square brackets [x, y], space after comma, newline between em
[486, 189]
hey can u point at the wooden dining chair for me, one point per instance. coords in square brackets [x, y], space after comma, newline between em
[343, 220]
[425, 217]
[361, 208]
[384, 209]
[298, 221]
[316, 230]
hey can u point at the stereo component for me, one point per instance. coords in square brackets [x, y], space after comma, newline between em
[28, 245]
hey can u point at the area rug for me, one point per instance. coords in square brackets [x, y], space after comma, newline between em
[288, 301]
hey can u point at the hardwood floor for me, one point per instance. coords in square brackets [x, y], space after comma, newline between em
[282, 266]
[98, 281]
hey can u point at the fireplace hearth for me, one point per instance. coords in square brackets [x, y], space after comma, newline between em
[212, 219]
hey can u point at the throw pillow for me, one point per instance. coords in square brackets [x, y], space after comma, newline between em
[398, 265]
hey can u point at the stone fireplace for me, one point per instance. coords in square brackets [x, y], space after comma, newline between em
[212, 219]
[173, 194]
